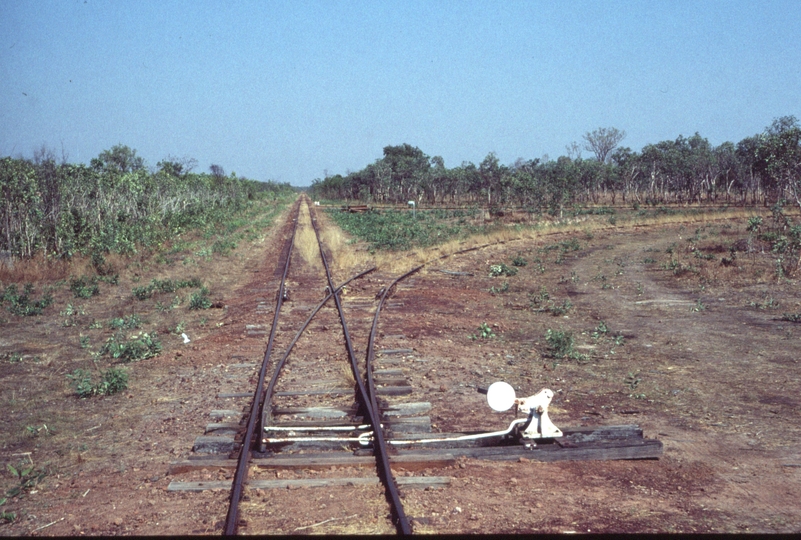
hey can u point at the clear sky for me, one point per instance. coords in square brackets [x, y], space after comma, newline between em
[288, 90]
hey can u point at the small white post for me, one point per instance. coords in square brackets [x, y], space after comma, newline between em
[414, 209]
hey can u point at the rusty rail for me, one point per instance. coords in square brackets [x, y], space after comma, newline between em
[262, 398]
[366, 393]
[369, 406]
[244, 453]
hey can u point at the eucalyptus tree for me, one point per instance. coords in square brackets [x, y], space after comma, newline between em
[561, 184]
[703, 171]
[589, 178]
[530, 184]
[490, 172]
[629, 172]
[409, 167]
[437, 182]
[729, 169]
[470, 179]
[747, 156]
[602, 141]
[20, 211]
[119, 159]
[778, 158]
[176, 166]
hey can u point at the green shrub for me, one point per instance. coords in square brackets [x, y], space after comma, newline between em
[542, 297]
[699, 306]
[519, 260]
[101, 267]
[484, 332]
[82, 382]
[223, 247]
[165, 286]
[200, 300]
[138, 347]
[193, 283]
[563, 247]
[12, 357]
[502, 270]
[23, 304]
[561, 309]
[560, 345]
[142, 292]
[84, 287]
[112, 381]
[601, 329]
[112, 279]
[570, 245]
[754, 223]
[131, 321]
[500, 290]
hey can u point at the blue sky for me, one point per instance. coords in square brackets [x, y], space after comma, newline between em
[287, 90]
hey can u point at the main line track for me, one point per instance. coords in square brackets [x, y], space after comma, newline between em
[260, 415]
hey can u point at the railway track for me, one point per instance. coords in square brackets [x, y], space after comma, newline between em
[311, 405]
[295, 437]
[324, 414]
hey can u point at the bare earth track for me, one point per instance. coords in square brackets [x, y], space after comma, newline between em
[718, 386]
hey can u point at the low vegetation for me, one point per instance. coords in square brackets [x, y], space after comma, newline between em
[115, 205]
[200, 299]
[23, 303]
[84, 286]
[561, 344]
[73, 233]
[111, 381]
[484, 331]
[164, 286]
[502, 270]
[542, 302]
[27, 476]
[137, 347]
[399, 230]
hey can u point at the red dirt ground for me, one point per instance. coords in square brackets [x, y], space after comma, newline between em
[706, 365]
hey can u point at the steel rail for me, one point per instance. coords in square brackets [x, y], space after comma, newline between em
[369, 406]
[366, 393]
[244, 452]
[273, 381]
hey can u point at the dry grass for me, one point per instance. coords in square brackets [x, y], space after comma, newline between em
[41, 270]
[350, 257]
[346, 372]
[346, 256]
[306, 240]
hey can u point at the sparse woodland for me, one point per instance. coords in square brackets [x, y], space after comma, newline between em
[113, 205]
[762, 169]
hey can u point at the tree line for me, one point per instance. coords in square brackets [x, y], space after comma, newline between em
[113, 204]
[762, 169]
